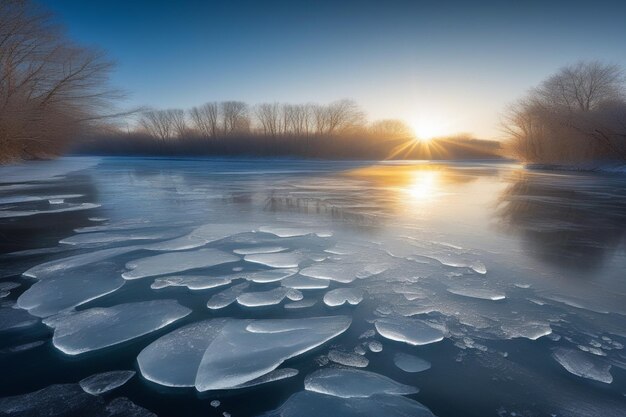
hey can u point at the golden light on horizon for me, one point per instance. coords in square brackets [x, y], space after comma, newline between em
[429, 127]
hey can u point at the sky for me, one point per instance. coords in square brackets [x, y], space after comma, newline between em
[445, 66]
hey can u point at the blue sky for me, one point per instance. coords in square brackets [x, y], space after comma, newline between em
[453, 64]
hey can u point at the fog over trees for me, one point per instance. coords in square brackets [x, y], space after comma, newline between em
[575, 115]
[50, 88]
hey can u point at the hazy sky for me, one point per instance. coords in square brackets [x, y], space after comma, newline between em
[454, 65]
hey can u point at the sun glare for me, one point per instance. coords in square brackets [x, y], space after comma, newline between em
[427, 128]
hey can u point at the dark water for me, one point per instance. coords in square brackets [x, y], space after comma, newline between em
[522, 273]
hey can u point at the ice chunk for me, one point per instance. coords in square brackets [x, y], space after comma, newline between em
[300, 282]
[529, 330]
[293, 231]
[344, 272]
[410, 363]
[68, 400]
[348, 359]
[176, 244]
[65, 290]
[173, 359]
[583, 365]
[312, 404]
[277, 260]
[482, 293]
[257, 353]
[229, 353]
[98, 328]
[227, 297]
[193, 282]
[339, 296]
[259, 249]
[107, 381]
[375, 346]
[168, 263]
[410, 331]
[353, 383]
[275, 375]
[270, 275]
[300, 304]
[268, 298]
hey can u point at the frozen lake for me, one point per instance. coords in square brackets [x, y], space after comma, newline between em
[308, 288]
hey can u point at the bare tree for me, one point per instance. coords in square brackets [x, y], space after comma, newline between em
[206, 119]
[391, 129]
[50, 89]
[235, 117]
[268, 116]
[576, 114]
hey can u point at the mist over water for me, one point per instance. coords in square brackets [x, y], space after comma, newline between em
[478, 288]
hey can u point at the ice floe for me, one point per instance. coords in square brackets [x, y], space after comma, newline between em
[481, 293]
[301, 282]
[353, 383]
[169, 263]
[65, 290]
[227, 297]
[583, 365]
[268, 298]
[278, 259]
[104, 382]
[348, 359]
[227, 353]
[340, 296]
[192, 282]
[270, 275]
[344, 271]
[259, 249]
[410, 363]
[98, 328]
[410, 331]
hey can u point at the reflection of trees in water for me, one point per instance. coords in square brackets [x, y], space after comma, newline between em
[571, 220]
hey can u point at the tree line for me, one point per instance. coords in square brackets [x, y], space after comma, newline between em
[228, 118]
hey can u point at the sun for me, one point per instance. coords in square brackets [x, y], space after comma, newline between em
[428, 128]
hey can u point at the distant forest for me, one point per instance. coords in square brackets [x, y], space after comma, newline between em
[233, 128]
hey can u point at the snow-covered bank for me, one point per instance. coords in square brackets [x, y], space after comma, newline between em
[603, 166]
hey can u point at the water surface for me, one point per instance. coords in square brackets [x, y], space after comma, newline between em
[508, 283]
